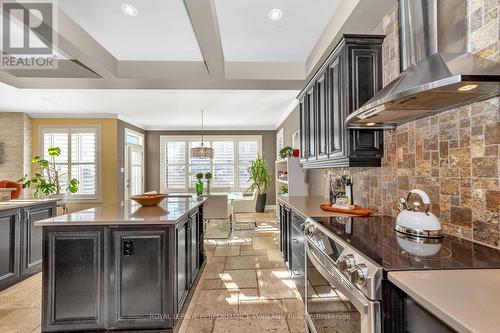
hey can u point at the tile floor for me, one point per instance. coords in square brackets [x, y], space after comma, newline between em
[244, 288]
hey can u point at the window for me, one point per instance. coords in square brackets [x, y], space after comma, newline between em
[79, 159]
[232, 156]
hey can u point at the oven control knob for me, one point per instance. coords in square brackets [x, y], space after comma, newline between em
[359, 274]
[346, 262]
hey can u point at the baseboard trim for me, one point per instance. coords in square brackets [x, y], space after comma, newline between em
[270, 206]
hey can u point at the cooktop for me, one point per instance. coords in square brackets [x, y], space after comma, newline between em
[376, 238]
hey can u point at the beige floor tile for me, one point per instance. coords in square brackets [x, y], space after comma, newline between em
[247, 262]
[274, 255]
[216, 302]
[217, 259]
[227, 251]
[213, 270]
[208, 284]
[199, 325]
[265, 243]
[253, 253]
[239, 279]
[295, 314]
[277, 264]
[19, 320]
[275, 283]
[25, 294]
[251, 325]
[250, 302]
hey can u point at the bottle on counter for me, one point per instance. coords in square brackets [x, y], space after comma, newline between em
[349, 191]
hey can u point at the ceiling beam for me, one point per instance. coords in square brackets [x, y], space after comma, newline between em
[70, 39]
[77, 43]
[203, 18]
[177, 83]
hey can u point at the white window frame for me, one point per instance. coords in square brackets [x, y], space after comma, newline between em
[77, 198]
[188, 138]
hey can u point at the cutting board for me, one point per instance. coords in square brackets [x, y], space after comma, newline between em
[356, 211]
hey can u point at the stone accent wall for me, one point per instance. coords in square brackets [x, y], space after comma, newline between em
[453, 156]
[15, 145]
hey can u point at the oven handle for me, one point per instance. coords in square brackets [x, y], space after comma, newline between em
[360, 302]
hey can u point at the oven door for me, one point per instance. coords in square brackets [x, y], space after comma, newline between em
[333, 304]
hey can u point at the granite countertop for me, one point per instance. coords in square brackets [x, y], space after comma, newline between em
[19, 203]
[466, 300]
[308, 206]
[169, 211]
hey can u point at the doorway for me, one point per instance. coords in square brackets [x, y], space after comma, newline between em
[134, 163]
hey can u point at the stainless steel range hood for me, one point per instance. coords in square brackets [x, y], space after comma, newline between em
[439, 73]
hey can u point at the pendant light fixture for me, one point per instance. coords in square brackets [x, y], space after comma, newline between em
[202, 151]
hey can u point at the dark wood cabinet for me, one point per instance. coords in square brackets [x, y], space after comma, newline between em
[348, 79]
[134, 297]
[21, 242]
[74, 292]
[31, 237]
[9, 249]
[194, 240]
[182, 264]
[285, 233]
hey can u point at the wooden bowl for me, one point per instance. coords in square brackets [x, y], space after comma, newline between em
[149, 199]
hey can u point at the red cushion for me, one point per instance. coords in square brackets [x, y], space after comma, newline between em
[12, 184]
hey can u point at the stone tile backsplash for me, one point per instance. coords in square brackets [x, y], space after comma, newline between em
[453, 156]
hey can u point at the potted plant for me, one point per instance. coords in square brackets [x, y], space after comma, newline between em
[199, 183]
[208, 177]
[287, 152]
[260, 181]
[47, 178]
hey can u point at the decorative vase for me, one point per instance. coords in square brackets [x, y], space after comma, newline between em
[199, 187]
[260, 205]
[208, 186]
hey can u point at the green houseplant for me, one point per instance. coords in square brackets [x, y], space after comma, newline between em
[208, 177]
[47, 178]
[260, 181]
[199, 183]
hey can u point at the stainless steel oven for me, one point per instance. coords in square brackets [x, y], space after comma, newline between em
[339, 282]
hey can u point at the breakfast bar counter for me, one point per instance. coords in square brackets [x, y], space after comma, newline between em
[121, 267]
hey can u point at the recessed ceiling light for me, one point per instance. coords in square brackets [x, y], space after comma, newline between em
[467, 87]
[371, 124]
[129, 10]
[275, 14]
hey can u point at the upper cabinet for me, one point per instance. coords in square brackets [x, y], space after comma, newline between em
[349, 78]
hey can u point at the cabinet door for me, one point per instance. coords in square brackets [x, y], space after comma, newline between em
[9, 247]
[74, 288]
[322, 122]
[311, 125]
[31, 237]
[364, 81]
[138, 284]
[335, 115]
[303, 130]
[182, 263]
[288, 233]
[193, 248]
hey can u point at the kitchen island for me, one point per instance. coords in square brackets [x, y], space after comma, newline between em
[121, 267]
